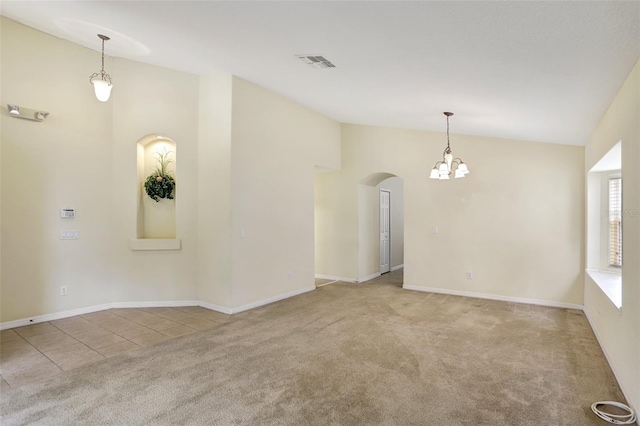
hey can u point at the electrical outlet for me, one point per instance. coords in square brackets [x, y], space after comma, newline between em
[63, 290]
[289, 275]
[469, 275]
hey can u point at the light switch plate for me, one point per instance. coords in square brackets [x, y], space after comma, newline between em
[69, 235]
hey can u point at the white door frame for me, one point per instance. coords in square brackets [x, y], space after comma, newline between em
[385, 230]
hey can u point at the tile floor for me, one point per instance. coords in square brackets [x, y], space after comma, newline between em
[38, 351]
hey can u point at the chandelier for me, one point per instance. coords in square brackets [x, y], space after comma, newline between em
[449, 165]
[101, 80]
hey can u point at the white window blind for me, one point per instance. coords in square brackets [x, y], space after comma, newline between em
[615, 221]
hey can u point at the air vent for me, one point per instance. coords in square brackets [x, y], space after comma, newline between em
[316, 61]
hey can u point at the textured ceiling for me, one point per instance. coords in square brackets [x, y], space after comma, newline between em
[541, 71]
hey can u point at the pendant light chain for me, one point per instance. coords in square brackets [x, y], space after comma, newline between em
[102, 71]
[448, 146]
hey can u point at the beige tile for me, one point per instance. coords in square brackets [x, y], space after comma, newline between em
[74, 325]
[131, 314]
[133, 331]
[36, 329]
[60, 354]
[14, 349]
[190, 319]
[74, 356]
[157, 311]
[47, 342]
[150, 339]
[100, 316]
[30, 375]
[8, 335]
[204, 324]
[191, 310]
[22, 361]
[206, 313]
[177, 331]
[116, 326]
[162, 324]
[100, 339]
[117, 348]
[173, 314]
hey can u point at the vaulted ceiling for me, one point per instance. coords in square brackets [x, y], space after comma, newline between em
[541, 70]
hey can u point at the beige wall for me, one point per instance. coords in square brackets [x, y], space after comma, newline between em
[84, 157]
[63, 162]
[144, 101]
[619, 331]
[516, 222]
[214, 191]
[276, 145]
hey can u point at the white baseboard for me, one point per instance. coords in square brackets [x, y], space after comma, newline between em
[395, 268]
[167, 304]
[216, 308]
[368, 278]
[271, 299]
[160, 304]
[334, 278]
[611, 365]
[55, 316]
[495, 297]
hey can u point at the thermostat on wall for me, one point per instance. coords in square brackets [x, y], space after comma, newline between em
[68, 213]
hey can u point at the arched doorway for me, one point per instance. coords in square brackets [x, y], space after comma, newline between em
[380, 225]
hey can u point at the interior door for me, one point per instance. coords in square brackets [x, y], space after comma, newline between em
[385, 231]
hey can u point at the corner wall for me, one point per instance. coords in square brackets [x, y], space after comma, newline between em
[214, 191]
[619, 332]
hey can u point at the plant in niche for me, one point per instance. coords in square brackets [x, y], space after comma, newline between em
[160, 184]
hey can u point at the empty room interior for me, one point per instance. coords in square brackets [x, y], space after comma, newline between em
[232, 212]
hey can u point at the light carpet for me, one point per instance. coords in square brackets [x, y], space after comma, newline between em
[345, 354]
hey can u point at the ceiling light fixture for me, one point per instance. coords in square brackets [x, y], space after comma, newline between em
[101, 80]
[445, 168]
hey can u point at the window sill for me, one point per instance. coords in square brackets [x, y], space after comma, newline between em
[610, 283]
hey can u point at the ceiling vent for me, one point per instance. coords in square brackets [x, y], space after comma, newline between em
[316, 61]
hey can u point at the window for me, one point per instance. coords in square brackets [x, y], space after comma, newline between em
[604, 224]
[615, 221]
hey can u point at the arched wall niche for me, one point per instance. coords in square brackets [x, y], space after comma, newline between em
[156, 220]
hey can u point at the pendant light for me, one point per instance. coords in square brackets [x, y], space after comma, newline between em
[449, 165]
[101, 80]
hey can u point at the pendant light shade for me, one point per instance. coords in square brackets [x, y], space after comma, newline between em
[102, 89]
[101, 81]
